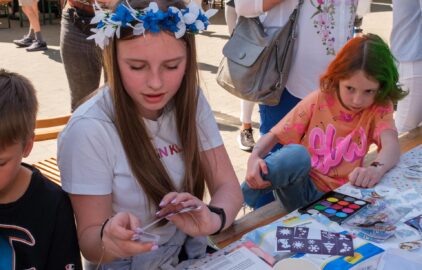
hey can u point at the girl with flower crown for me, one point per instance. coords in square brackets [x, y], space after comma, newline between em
[146, 142]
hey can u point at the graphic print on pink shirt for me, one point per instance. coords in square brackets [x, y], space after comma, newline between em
[327, 153]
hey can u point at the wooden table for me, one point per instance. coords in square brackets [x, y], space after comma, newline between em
[275, 210]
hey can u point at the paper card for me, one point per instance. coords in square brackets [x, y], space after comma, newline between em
[253, 248]
[239, 259]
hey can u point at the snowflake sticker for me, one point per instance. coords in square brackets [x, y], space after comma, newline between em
[298, 244]
[285, 231]
[313, 248]
[284, 243]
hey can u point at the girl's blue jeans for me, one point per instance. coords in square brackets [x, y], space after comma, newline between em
[288, 172]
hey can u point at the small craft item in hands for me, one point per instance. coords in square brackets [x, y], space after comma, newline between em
[168, 211]
[173, 209]
[336, 206]
[143, 236]
[296, 240]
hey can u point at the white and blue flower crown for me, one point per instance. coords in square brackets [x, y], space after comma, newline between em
[192, 19]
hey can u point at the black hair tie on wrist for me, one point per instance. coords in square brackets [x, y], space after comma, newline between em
[103, 226]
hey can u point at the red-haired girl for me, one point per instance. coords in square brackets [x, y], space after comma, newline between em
[328, 134]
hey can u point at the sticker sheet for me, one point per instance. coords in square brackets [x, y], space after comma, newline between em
[300, 240]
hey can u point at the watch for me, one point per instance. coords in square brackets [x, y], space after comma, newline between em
[219, 211]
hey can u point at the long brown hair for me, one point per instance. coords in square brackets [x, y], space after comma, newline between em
[140, 152]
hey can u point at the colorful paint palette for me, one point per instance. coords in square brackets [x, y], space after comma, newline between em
[336, 206]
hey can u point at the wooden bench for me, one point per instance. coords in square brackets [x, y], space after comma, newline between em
[275, 210]
[48, 129]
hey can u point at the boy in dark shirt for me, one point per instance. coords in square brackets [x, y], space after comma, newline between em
[37, 227]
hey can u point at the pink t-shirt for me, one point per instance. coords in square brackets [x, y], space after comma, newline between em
[336, 138]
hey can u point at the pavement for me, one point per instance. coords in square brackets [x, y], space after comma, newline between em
[45, 70]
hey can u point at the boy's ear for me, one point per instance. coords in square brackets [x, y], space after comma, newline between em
[28, 147]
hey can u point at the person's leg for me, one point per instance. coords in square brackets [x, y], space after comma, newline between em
[288, 172]
[82, 60]
[271, 115]
[245, 138]
[409, 110]
[33, 16]
[246, 110]
[29, 38]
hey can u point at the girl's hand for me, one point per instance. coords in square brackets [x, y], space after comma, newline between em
[117, 237]
[256, 165]
[365, 177]
[198, 222]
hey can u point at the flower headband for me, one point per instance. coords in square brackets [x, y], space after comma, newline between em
[192, 19]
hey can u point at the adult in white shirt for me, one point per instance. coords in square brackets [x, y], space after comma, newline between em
[323, 28]
[406, 45]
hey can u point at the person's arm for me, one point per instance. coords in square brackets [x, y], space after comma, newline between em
[254, 8]
[91, 211]
[269, 4]
[386, 159]
[223, 184]
[290, 129]
[256, 163]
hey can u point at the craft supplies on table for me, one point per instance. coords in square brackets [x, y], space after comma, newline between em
[336, 206]
[365, 253]
[308, 240]
[399, 195]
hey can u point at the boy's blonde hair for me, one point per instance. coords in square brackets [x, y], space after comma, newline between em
[18, 109]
